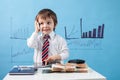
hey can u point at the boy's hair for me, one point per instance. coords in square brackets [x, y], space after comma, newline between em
[47, 13]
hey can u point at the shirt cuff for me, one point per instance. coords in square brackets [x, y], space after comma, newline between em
[64, 56]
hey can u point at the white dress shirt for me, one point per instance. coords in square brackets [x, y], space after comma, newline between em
[58, 45]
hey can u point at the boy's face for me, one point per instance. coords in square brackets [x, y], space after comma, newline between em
[46, 25]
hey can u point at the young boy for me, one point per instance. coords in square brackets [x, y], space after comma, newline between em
[55, 48]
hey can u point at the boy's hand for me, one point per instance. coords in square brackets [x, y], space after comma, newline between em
[52, 58]
[37, 27]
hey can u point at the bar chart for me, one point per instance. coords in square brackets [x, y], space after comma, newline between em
[94, 33]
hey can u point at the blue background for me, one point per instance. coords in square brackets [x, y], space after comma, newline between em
[17, 24]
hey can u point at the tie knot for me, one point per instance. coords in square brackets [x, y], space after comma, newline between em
[46, 37]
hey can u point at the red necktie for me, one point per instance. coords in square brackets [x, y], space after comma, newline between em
[45, 48]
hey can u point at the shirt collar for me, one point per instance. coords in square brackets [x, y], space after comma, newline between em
[52, 35]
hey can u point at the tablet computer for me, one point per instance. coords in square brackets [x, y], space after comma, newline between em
[22, 71]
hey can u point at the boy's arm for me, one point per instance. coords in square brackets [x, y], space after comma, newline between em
[64, 52]
[32, 41]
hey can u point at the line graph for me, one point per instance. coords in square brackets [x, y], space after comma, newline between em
[20, 32]
[20, 53]
[67, 36]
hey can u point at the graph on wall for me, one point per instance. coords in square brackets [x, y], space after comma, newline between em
[91, 39]
[20, 52]
[95, 33]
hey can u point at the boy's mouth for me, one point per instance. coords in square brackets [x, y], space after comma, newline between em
[46, 29]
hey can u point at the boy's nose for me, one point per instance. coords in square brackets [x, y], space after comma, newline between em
[45, 25]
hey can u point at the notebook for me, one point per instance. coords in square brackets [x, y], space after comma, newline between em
[22, 71]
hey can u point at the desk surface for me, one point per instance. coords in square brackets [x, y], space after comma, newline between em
[90, 75]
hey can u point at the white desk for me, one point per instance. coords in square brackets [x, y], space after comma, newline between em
[91, 75]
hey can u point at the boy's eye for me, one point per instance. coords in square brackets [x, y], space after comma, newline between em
[48, 22]
[40, 23]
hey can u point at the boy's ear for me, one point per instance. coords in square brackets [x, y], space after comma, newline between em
[54, 29]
